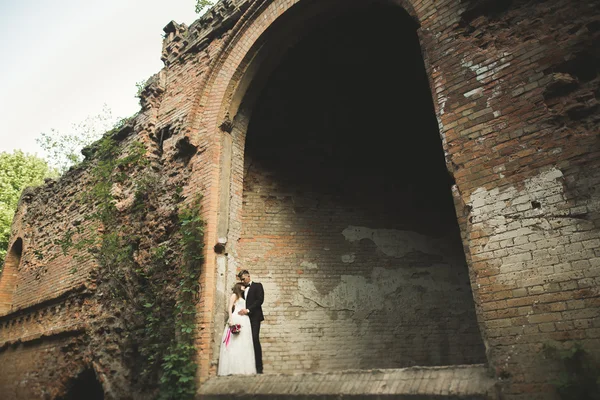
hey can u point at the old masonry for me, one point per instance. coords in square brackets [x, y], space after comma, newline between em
[416, 183]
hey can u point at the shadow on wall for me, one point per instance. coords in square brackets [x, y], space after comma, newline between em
[348, 218]
[84, 386]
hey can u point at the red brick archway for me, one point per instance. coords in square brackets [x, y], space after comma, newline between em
[226, 85]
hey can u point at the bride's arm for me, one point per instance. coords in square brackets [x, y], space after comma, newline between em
[232, 300]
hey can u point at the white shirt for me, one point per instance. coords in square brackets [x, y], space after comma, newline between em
[246, 290]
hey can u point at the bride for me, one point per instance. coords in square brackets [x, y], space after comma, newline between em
[237, 350]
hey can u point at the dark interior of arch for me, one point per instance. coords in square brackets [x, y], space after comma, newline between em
[84, 386]
[347, 209]
[17, 248]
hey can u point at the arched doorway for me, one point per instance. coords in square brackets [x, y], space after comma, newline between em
[84, 386]
[8, 276]
[346, 212]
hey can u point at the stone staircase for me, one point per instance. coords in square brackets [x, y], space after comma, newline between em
[417, 383]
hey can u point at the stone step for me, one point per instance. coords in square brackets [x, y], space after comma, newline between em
[416, 383]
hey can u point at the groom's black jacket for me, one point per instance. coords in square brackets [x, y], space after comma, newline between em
[254, 300]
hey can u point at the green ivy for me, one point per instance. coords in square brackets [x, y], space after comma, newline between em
[201, 5]
[161, 327]
[179, 367]
[579, 377]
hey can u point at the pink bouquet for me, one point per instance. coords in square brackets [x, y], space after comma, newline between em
[235, 329]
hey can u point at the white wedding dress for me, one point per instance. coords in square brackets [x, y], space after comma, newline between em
[237, 356]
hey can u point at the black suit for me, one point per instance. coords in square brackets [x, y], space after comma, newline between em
[254, 300]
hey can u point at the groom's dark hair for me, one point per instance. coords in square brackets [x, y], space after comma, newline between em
[242, 273]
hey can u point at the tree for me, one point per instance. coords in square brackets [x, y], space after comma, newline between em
[17, 171]
[63, 150]
[202, 4]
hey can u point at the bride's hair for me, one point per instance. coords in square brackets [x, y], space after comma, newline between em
[238, 289]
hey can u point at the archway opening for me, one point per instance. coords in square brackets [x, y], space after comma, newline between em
[8, 276]
[348, 219]
[84, 386]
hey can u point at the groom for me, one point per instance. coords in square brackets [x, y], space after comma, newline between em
[254, 295]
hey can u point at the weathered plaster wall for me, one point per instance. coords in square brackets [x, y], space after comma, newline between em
[340, 296]
[516, 89]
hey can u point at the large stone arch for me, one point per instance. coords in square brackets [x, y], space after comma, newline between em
[222, 116]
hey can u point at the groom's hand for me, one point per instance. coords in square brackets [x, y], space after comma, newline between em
[243, 312]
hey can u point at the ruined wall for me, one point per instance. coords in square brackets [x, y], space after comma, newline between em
[40, 370]
[44, 271]
[515, 91]
[70, 322]
[41, 333]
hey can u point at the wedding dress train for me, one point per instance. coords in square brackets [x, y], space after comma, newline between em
[237, 350]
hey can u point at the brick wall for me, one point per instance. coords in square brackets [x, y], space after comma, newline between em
[503, 119]
[515, 93]
[9, 276]
[51, 214]
[40, 369]
[340, 294]
[347, 212]
[513, 85]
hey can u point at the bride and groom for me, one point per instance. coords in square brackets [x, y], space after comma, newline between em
[241, 353]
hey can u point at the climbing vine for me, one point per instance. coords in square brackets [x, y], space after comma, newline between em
[179, 368]
[201, 5]
[579, 376]
[147, 276]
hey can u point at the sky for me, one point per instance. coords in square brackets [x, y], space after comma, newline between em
[62, 60]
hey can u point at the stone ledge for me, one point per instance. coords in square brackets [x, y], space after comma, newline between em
[456, 382]
[49, 301]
